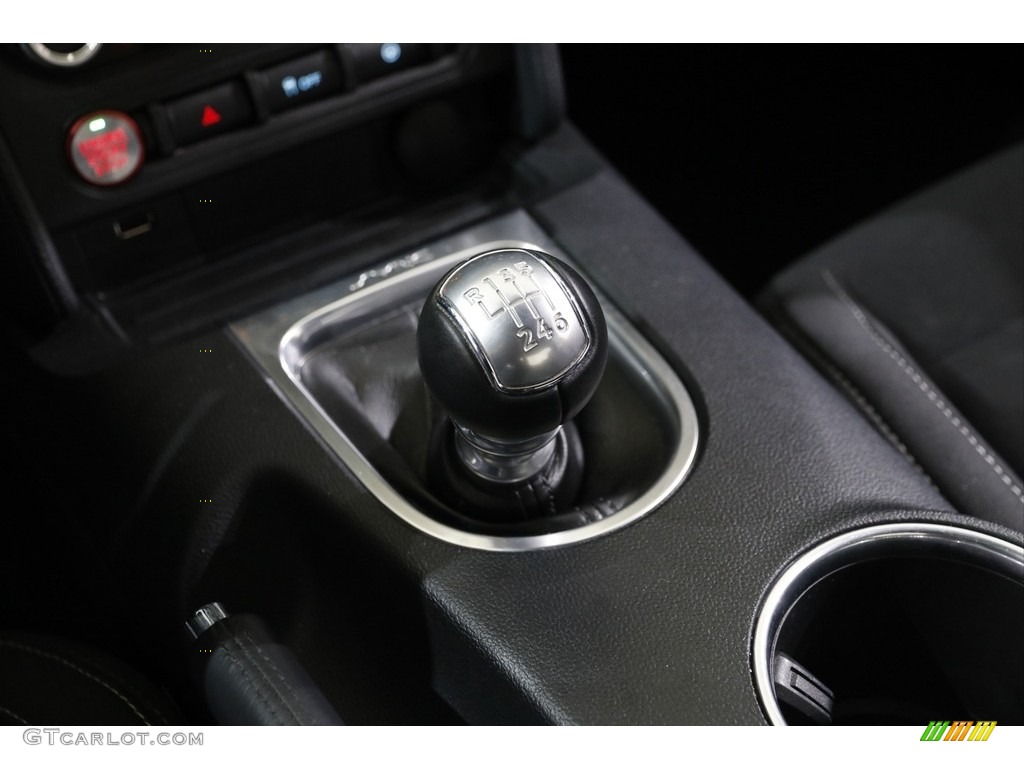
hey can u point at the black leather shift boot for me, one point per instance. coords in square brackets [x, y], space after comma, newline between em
[368, 382]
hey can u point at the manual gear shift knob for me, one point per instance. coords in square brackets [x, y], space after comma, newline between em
[512, 343]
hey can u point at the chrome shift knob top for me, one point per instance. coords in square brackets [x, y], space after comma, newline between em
[521, 319]
[512, 343]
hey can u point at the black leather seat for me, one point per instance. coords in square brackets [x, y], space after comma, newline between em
[46, 681]
[918, 315]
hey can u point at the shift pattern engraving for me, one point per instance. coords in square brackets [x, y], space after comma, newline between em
[520, 316]
[515, 292]
[521, 290]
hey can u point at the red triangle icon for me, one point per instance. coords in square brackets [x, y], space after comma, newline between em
[210, 116]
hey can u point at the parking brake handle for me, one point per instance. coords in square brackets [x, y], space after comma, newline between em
[247, 678]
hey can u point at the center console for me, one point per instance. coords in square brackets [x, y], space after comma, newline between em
[345, 357]
[253, 363]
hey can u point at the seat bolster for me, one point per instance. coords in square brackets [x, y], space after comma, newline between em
[866, 360]
[51, 681]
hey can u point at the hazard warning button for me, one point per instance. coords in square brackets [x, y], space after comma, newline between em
[209, 113]
[105, 147]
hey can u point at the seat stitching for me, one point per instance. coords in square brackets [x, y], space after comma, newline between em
[8, 712]
[814, 353]
[876, 418]
[923, 385]
[84, 673]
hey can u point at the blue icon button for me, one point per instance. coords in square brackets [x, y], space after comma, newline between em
[293, 86]
[300, 81]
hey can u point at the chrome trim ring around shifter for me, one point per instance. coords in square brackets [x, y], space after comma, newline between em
[504, 461]
[283, 337]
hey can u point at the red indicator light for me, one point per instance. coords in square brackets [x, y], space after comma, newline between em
[210, 116]
[105, 147]
[106, 153]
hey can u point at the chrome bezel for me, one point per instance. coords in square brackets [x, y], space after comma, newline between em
[863, 545]
[281, 339]
[75, 58]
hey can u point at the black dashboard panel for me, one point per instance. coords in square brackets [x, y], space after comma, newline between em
[181, 474]
[246, 149]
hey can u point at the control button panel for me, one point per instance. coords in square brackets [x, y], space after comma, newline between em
[209, 113]
[300, 81]
[105, 147]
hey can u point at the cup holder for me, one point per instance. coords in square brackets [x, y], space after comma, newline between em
[895, 624]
